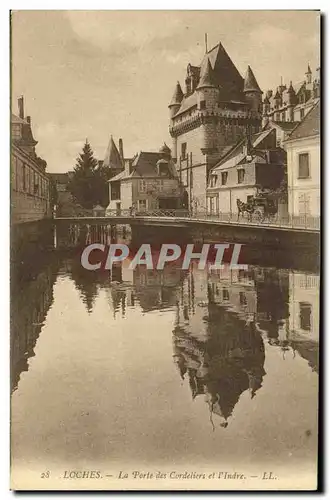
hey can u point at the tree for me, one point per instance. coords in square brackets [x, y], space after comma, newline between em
[85, 184]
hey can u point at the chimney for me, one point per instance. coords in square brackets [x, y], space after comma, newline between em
[21, 107]
[28, 119]
[121, 149]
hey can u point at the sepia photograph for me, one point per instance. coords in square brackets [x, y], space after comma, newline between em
[165, 228]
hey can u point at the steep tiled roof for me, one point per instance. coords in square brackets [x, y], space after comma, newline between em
[188, 103]
[222, 73]
[236, 154]
[112, 157]
[309, 126]
[286, 126]
[119, 177]
[225, 74]
[250, 82]
[17, 119]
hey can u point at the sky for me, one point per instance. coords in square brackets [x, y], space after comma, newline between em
[92, 74]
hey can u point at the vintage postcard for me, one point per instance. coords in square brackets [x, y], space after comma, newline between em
[165, 233]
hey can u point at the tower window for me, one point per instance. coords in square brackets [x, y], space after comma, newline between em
[202, 105]
[183, 150]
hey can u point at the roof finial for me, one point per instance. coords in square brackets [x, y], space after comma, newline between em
[205, 43]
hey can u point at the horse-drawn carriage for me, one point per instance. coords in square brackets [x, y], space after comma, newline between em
[260, 207]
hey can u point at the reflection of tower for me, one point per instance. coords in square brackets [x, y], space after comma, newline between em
[193, 303]
[223, 363]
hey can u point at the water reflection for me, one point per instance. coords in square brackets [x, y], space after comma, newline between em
[31, 299]
[224, 342]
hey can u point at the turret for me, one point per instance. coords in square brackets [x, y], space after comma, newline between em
[176, 100]
[291, 102]
[266, 106]
[207, 100]
[252, 91]
[277, 99]
[207, 92]
[308, 75]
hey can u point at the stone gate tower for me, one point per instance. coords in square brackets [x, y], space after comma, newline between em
[212, 114]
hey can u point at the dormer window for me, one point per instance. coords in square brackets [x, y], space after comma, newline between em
[213, 181]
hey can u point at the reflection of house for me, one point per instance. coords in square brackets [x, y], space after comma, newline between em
[157, 289]
[291, 103]
[151, 289]
[304, 304]
[253, 164]
[148, 182]
[304, 315]
[29, 306]
[303, 159]
[234, 290]
[30, 191]
[192, 308]
[212, 113]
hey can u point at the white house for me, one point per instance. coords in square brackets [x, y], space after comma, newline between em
[303, 166]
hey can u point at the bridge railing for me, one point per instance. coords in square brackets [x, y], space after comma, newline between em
[296, 222]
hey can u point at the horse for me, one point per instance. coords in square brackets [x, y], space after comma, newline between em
[245, 208]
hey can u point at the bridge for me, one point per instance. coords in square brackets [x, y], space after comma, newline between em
[183, 218]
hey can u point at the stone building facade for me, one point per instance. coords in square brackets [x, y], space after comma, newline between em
[291, 103]
[250, 166]
[210, 115]
[148, 182]
[30, 187]
[304, 166]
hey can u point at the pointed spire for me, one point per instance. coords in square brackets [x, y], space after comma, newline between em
[277, 95]
[177, 96]
[250, 82]
[112, 157]
[309, 71]
[291, 89]
[206, 76]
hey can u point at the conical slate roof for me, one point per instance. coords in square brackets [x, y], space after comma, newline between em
[277, 95]
[250, 82]
[309, 71]
[291, 89]
[112, 157]
[206, 76]
[165, 149]
[177, 96]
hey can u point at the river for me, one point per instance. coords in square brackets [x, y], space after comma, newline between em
[169, 370]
